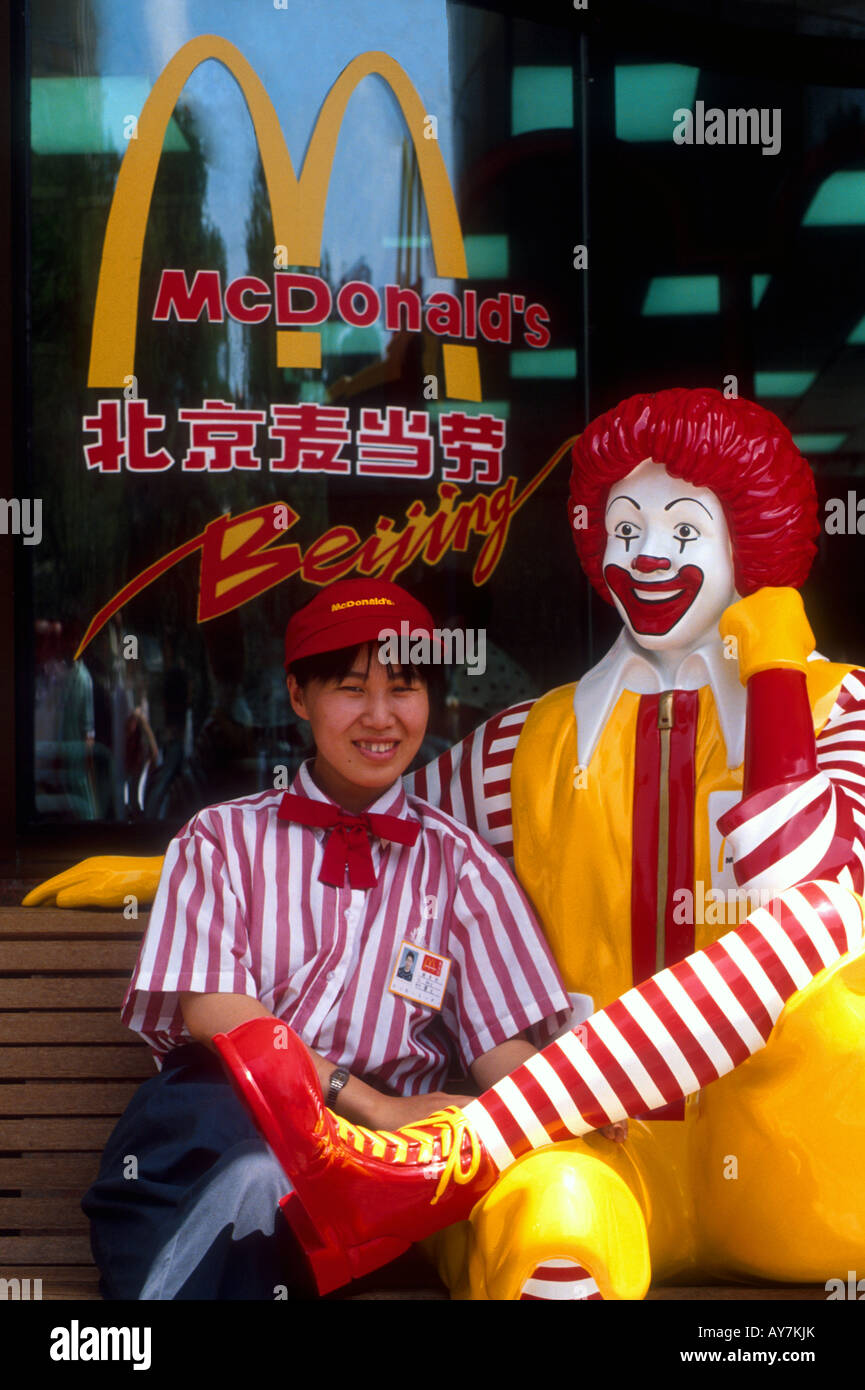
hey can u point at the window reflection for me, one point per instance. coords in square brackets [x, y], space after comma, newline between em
[706, 263]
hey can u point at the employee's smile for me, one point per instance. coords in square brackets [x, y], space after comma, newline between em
[376, 750]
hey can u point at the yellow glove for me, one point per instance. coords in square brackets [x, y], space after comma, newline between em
[769, 630]
[104, 881]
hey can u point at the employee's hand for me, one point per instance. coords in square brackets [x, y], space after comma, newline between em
[770, 632]
[393, 1112]
[104, 881]
[617, 1132]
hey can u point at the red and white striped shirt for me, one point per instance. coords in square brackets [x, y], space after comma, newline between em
[240, 910]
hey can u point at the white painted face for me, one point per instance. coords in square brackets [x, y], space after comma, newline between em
[668, 562]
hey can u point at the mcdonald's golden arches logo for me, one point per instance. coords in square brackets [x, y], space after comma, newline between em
[297, 205]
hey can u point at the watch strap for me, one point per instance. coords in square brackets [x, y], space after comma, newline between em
[338, 1078]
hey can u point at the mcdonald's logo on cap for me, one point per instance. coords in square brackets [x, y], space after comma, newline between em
[297, 205]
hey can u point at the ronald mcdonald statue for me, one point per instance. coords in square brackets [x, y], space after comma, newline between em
[688, 821]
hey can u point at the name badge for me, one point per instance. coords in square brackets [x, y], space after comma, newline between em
[420, 975]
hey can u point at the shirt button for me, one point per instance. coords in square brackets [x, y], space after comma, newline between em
[330, 974]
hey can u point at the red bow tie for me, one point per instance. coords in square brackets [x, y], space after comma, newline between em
[347, 846]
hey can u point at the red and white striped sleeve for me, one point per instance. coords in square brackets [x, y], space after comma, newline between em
[472, 780]
[196, 937]
[814, 828]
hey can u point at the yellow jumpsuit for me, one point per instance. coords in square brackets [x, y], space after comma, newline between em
[627, 873]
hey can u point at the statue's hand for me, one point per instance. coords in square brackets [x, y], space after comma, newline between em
[104, 881]
[769, 630]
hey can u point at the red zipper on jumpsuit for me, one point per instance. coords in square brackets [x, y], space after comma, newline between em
[662, 860]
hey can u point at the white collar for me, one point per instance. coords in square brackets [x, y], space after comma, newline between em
[627, 666]
[392, 802]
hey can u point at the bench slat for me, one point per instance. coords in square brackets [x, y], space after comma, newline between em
[42, 1214]
[47, 992]
[72, 1132]
[76, 1062]
[63, 1028]
[70, 1098]
[41, 923]
[51, 1172]
[65, 956]
[61, 1250]
[70, 1285]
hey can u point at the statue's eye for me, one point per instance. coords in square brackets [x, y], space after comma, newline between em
[626, 531]
[685, 532]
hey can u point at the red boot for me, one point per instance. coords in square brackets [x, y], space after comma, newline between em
[360, 1198]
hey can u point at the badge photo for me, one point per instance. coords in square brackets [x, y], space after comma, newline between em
[420, 975]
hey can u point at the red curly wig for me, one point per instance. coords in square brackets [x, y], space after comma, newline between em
[736, 448]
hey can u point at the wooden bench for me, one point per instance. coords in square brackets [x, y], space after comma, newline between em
[68, 1068]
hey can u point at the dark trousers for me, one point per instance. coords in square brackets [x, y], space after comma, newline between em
[186, 1202]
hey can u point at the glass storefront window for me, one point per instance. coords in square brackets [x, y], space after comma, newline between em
[242, 387]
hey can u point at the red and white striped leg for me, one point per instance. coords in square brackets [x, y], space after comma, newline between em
[560, 1281]
[673, 1034]
[360, 1197]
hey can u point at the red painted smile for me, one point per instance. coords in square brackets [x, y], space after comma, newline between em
[654, 607]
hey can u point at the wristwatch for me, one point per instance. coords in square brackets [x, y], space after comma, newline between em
[338, 1078]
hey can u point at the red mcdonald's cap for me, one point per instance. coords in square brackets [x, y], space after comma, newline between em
[350, 613]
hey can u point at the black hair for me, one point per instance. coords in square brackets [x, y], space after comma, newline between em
[334, 666]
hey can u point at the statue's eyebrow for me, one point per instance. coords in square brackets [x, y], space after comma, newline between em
[623, 497]
[689, 499]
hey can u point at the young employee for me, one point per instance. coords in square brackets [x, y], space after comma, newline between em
[386, 935]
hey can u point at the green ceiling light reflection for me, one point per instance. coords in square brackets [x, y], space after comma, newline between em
[759, 284]
[90, 115]
[682, 294]
[819, 443]
[647, 94]
[839, 201]
[858, 334]
[309, 390]
[501, 409]
[550, 363]
[541, 99]
[347, 340]
[488, 257]
[783, 383]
